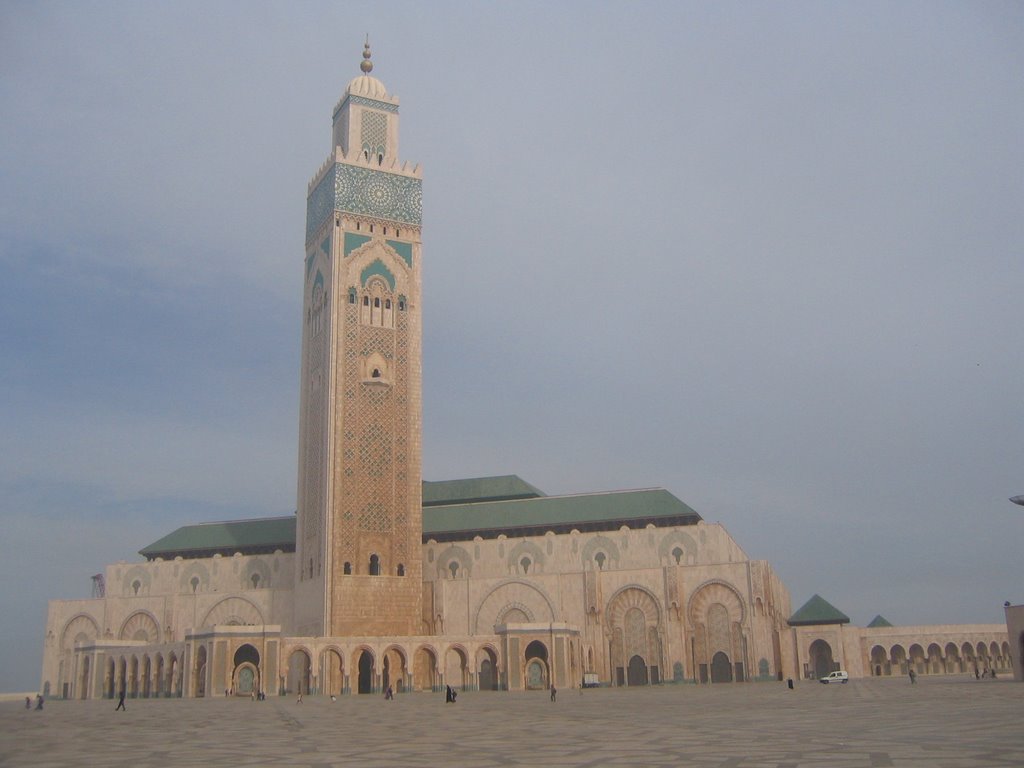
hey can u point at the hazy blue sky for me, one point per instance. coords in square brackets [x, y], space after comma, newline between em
[765, 255]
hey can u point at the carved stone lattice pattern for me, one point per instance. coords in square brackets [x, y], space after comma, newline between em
[375, 450]
[374, 132]
[345, 533]
[314, 480]
[635, 633]
[402, 426]
[719, 637]
[673, 589]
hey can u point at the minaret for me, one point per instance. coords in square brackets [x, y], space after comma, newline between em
[358, 537]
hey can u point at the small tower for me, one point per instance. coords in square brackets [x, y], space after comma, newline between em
[359, 527]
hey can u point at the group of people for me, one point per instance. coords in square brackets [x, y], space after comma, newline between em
[39, 701]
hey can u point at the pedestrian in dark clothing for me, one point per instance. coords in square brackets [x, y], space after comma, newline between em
[120, 702]
[39, 701]
[554, 692]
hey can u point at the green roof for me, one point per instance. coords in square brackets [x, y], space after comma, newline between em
[818, 610]
[444, 520]
[207, 539]
[880, 621]
[588, 511]
[499, 488]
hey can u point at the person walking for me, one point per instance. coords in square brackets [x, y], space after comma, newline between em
[120, 701]
[554, 691]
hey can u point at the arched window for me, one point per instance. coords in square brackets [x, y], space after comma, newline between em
[375, 374]
[401, 570]
[453, 566]
[348, 569]
[525, 563]
[136, 586]
[194, 581]
[599, 558]
[677, 553]
[255, 579]
[374, 565]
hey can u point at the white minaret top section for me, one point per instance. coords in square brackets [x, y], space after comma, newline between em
[366, 118]
[368, 86]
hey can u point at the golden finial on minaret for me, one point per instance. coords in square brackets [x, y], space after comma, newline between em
[366, 65]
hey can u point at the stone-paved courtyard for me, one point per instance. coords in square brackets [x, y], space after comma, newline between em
[938, 723]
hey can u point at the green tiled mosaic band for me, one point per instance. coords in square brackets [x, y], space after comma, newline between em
[352, 189]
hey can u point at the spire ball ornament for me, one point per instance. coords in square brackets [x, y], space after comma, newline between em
[366, 65]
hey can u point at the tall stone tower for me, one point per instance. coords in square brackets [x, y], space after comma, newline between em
[358, 537]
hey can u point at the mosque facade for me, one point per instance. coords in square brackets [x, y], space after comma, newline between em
[381, 580]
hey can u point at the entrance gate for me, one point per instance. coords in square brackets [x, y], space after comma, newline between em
[721, 669]
[636, 673]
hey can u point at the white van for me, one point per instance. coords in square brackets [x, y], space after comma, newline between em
[835, 677]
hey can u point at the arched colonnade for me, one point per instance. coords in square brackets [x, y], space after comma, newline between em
[333, 669]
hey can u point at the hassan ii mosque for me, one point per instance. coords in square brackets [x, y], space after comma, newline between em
[382, 580]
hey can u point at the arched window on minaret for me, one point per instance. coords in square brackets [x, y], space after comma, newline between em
[374, 565]
[377, 305]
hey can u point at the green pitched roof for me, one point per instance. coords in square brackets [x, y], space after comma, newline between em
[449, 521]
[497, 488]
[249, 537]
[588, 511]
[879, 621]
[818, 610]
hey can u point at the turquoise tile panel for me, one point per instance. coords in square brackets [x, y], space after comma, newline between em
[377, 268]
[402, 249]
[378, 194]
[353, 241]
[320, 203]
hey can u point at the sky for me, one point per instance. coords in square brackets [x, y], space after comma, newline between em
[765, 255]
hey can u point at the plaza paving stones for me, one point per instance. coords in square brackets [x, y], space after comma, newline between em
[938, 723]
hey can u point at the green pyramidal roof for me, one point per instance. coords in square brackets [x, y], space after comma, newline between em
[452, 511]
[251, 537]
[880, 621]
[500, 488]
[534, 516]
[818, 610]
